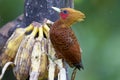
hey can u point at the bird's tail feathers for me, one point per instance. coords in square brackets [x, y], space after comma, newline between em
[79, 66]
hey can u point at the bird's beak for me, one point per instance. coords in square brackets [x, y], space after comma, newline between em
[56, 9]
[82, 16]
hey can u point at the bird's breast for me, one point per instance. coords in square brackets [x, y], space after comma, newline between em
[61, 37]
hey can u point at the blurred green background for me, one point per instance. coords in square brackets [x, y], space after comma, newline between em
[99, 35]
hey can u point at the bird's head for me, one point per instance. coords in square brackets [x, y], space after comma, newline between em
[70, 15]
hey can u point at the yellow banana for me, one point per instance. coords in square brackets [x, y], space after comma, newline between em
[13, 43]
[23, 56]
[44, 60]
[46, 30]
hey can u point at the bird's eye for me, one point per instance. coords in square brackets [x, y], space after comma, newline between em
[65, 12]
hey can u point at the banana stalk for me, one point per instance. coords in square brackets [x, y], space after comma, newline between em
[13, 43]
[22, 61]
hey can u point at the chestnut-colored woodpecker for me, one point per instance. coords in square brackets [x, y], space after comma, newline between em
[63, 38]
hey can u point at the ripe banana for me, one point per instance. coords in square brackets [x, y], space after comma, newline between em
[22, 60]
[46, 30]
[44, 58]
[13, 43]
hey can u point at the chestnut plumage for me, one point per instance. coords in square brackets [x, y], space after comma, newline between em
[63, 38]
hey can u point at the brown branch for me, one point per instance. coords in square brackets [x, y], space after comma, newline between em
[4, 30]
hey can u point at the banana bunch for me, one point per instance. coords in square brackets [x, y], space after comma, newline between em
[32, 54]
[12, 45]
